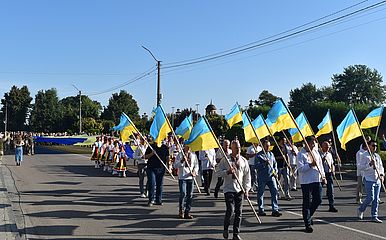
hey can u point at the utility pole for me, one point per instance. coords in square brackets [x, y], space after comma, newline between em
[80, 108]
[159, 96]
[6, 117]
[173, 117]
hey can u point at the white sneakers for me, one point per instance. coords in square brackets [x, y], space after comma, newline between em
[376, 220]
[360, 214]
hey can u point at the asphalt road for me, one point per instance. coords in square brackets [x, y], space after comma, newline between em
[61, 196]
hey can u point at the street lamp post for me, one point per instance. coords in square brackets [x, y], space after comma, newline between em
[80, 108]
[197, 104]
[173, 117]
[6, 117]
[159, 97]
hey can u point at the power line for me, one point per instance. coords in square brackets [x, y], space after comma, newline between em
[251, 46]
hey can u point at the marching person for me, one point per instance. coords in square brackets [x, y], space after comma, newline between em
[283, 167]
[19, 144]
[155, 172]
[292, 151]
[233, 192]
[95, 152]
[358, 156]
[371, 165]
[329, 171]
[266, 166]
[187, 170]
[251, 154]
[311, 177]
[219, 155]
[141, 165]
[208, 161]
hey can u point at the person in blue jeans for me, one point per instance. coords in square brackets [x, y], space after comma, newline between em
[373, 173]
[266, 166]
[155, 172]
[19, 144]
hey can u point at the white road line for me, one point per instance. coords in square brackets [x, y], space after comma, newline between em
[300, 215]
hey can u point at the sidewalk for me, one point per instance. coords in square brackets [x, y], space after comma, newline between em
[8, 228]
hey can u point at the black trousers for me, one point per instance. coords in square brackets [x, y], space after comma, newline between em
[234, 203]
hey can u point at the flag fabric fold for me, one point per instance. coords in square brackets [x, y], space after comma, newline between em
[304, 127]
[234, 116]
[160, 128]
[373, 118]
[279, 117]
[325, 126]
[248, 130]
[185, 127]
[348, 129]
[126, 127]
[260, 127]
[201, 138]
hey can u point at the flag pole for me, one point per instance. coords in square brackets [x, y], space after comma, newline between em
[265, 153]
[155, 153]
[305, 142]
[229, 164]
[182, 151]
[320, 148]
[336, 149]
[368, 150]
[379, 124]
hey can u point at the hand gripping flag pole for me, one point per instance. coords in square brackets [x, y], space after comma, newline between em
[229, 164]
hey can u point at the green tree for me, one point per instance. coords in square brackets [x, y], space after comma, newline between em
[358, 84]
[18, 101]
[46, 114]
[301, 98]
[118, 103]
[266, 98]
[90, 125]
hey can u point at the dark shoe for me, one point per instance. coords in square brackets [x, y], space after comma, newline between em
[188, 216]
[262, 214]
[207, 194]
[309, 229]
[158, 203]
[149, 204]
[236, 237]
[225, 234]
[181, 214]
[276, 214]
[215, 194]
[294, 190]
[332, 209]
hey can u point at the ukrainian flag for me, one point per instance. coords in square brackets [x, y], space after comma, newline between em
[279, 117]
[325, 126]
[260, 127]
[249, 134]
[160, 127]
[373, 119]
[126, 127]
[234, 116]
[201, 137]
[304, 127]
[185, 127]
[348, 129]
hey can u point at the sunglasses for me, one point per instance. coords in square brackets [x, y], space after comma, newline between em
[374, 145]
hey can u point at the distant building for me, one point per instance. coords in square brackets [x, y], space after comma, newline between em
[210, 109]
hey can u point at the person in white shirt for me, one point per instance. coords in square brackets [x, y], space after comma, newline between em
[251, 154]
[373, 175]
[208, 161]
[233, 192]
[219, 155]
[187, 170]
[311, 176]
[359, 190]
[329, 171]
[141, 164]
[292, 152]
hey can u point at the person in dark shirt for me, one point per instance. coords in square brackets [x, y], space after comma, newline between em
[282, 165]
[155, 172]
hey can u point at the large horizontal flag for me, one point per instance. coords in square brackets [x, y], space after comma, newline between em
[325, 126]
[260, 127]
[304, 127]
[160, 128]
[280, 117]
[234, 116]
[372, 119]
[201, 137]
[126, 127]
[185, 127]
[348, 129]
[249, 134]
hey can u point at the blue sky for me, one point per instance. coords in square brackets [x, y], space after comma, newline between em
[96, 45]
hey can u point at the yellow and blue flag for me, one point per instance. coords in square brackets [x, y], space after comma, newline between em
[249, 134]
[348, 129]
[126, 127]
[234, 116]
[373, 119]
[201, 137]
[185, 127]
[260, 127]
[279, 117]
[304, 127]
[160, 127]
[325, 126]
